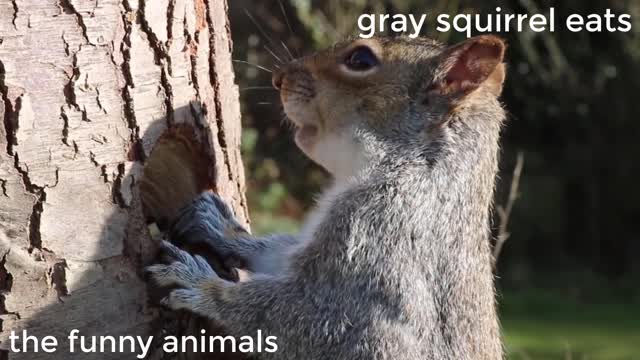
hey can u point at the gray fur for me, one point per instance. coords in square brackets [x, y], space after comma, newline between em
[393, 264]
[204, 221]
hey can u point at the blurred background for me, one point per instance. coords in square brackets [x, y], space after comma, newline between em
[569, 274]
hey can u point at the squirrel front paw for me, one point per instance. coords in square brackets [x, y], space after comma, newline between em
[192, 278]
[209, 221]
[184, 269]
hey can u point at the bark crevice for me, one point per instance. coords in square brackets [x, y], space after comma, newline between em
[9, 114]
[162, 59]
[170, 11]
[6, 283]
[35, 236]
[14, 4]
[69, 89]
[116, 193]
[215, 83]
[65, 127]
[192, 43]
[67, 7]
[58, 278]
[136, 152]
[3, 187]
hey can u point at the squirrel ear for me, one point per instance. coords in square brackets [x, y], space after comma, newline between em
[473, 63]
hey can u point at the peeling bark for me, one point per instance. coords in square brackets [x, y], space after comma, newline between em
[86, 89]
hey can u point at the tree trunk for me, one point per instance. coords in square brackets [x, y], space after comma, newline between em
[87, 87]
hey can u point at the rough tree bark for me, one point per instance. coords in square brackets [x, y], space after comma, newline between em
[87, 87]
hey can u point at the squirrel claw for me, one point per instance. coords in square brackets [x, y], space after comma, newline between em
[208, 221]
[192, 278]
[181, 299]
[184, 270]
[170, 253]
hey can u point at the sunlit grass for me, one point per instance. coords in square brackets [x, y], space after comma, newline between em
[540, 326]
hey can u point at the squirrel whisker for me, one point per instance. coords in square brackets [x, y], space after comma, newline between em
[254, 65]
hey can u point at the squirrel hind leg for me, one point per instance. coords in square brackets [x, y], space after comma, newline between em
[176, 172]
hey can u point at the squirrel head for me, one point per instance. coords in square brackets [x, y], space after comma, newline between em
[359, 98]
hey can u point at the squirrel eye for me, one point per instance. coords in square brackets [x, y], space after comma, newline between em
[361, 59]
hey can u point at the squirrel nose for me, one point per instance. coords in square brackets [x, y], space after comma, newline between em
[276, 79]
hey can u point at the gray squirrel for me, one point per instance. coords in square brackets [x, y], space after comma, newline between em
[394, 262]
